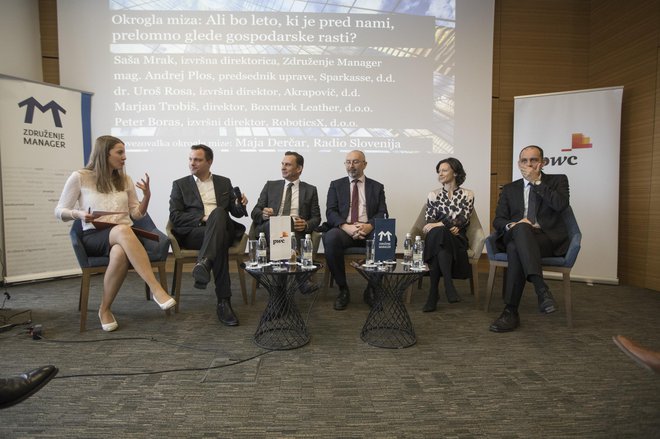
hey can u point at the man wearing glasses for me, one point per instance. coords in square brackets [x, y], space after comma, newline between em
[528, 219]
[352, 205]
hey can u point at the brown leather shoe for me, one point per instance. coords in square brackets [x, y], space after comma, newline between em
[649, 360]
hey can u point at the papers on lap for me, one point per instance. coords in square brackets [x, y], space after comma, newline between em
[100, 225]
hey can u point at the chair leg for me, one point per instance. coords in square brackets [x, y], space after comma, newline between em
[254, 291]
[162, 275]
[474, 285]
[327, 278]
[176, 284]
[241, 279]
[567, 299]
[84, 299]
[489, 286]
[409, 291]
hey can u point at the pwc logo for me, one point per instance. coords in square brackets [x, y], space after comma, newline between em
[578, 141]
[31, 104]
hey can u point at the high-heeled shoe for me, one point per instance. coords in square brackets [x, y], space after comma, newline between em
[109, 327]
[165, 306]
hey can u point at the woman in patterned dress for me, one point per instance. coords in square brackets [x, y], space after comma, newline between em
[448, 211]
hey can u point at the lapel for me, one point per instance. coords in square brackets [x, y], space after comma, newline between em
[195, 190]
[368, 200]
[277, 195]
[302, 194]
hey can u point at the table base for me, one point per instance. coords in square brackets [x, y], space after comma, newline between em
[388, 324]
[281, 326]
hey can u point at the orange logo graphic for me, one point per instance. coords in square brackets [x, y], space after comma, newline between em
[579, 141]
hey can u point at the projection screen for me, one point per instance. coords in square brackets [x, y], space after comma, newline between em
[407, 82]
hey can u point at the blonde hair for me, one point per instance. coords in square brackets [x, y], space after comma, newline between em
[107, 180]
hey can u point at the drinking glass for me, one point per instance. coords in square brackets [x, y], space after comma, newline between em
[294, 250]
[253, 246]
[370, 252]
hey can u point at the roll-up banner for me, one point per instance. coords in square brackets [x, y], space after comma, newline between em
[43, 129]
[580, 133]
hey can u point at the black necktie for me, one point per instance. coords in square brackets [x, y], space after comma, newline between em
[531, 205]
[286, 210]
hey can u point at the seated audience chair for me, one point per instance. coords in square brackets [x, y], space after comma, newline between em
[188, 256]
[476, 238]
[157, 251]
[559, 264]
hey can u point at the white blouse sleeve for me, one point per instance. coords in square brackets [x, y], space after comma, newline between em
[69, 198]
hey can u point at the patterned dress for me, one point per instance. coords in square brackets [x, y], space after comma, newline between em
[454, 211]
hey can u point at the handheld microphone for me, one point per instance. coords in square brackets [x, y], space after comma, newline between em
[239, 196]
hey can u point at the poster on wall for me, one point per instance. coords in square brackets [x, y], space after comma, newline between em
[42, 132]
[580, 134]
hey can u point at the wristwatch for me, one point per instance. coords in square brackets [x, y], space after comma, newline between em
[537, 182]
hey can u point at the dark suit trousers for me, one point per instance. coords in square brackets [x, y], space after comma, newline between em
[525, 246]
[334, 242]
[213, 240]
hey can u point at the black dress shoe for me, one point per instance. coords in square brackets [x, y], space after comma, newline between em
[202, 273]
[431, 302]
[452, 296]
[308, 287]
[506, 322]
[226, 313]
[342, 299]
[368, 296]
[547, 303]
[15, 389]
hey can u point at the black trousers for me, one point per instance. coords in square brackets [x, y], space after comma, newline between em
[525, 246]
[335, 241]
[213, 240]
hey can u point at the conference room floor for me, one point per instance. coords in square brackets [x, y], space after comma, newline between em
[160, 376]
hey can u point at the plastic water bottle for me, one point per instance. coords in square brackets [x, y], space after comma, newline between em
[262, 249]
[418, 253]
[307, 251]
[407, 249]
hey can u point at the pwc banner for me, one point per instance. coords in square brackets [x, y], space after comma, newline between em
[43, 129]
[580, 133]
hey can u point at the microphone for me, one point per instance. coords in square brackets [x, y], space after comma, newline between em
[239, 195]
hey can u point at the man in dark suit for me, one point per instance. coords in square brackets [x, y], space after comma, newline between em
[529, 223]
[199, 210]
[289, 196]
[352, 205]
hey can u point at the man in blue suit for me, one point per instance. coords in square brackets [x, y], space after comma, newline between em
[288, 196]
[352, 205]
[528, 219]
[200, 205]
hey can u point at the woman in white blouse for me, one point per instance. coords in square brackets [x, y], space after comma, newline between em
[103, 187]
[448, 211]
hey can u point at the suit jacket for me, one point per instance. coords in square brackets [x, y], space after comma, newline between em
[187, 208]
[338, 204]
[553, 198]
[308, 203]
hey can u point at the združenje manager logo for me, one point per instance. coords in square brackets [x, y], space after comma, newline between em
[41, 136]
[31, 104]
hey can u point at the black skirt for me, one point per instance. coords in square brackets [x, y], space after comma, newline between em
[457, 245]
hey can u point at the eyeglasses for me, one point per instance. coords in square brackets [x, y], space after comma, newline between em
[353, 162]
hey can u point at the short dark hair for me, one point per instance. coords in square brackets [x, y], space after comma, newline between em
[456, 166]
[300, 160]
[208, 152]
[532, 146]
